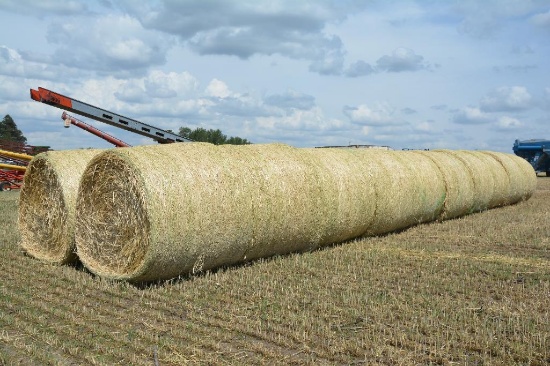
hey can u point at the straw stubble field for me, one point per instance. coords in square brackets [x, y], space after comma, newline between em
[468, 291]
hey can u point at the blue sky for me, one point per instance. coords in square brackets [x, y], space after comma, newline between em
[406, 74]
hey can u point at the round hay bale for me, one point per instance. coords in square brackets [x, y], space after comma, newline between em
[409, 190]
[216, 205]
[459, 186]
[429, 187]
[293, 203]
[212, 205]
[349, 178]
[501, 179]
[482, 181]
[166, 205]
[47, 204]
[520, 184]
[529, 176]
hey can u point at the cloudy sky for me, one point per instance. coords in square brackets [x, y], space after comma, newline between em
[408, 74]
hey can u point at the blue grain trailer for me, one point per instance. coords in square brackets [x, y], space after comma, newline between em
[536, 152]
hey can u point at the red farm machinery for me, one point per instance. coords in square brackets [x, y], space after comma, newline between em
[13, 164]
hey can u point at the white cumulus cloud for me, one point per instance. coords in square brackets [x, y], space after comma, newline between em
[507, 98]
[381, 114]
[217, 88]
[113, 42]
[508, 123]
[471, 115]
[401, 59]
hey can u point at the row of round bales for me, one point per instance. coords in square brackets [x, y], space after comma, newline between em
[155, 212]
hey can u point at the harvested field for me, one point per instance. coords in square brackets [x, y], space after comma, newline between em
[469, 291]
[211, 206]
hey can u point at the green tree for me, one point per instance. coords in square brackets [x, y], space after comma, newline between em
[215, 137]
[9, 130]
[200, 134]
[237, 141]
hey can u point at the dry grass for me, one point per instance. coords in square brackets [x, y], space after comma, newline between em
[469, 291]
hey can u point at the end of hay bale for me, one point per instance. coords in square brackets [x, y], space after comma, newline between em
[112, 226]
[47, 204]
[529, 175]
[43, 214]
[520, 174]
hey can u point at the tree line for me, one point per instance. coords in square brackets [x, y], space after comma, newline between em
[212, 136]
[9, 131]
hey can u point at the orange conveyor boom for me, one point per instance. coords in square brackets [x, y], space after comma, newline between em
[72, 105]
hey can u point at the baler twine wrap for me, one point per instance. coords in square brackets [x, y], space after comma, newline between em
[155, 212]
[47, 204]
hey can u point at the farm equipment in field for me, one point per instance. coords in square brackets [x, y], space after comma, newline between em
[69, 120]
[12, 169]
[14, 157]
[19, 147]
[536, 152]
[10, 179]
[72, 105]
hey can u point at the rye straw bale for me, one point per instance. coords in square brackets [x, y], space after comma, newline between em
[429, 187]
[154, 212]
[459, 186]
[521, 176]
[482, 180]
[291, 205]
[167, 205]
[529, 174]
[409, 190]
[348, 178]
[501, 180]
[47, 204]
[212, 205]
